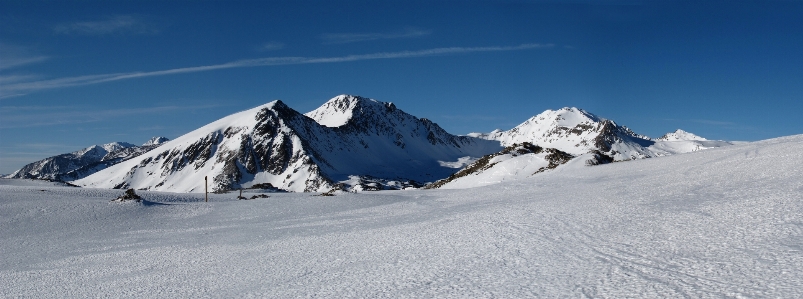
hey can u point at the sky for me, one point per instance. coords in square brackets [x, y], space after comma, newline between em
[79, 73]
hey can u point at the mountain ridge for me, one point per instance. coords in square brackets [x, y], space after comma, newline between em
[81, 163]
[353, 143]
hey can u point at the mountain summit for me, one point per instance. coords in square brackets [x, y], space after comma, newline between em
[680, 135]
[576, 132]
[156, 141]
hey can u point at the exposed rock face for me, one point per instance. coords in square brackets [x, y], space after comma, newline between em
[129, 195]
[82, 163]
[345, 138]
[598, 158]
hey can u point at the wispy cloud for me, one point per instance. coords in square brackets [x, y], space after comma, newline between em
[271, 46]
[13, 56]
[13, 95]
[38, 116]
[9, 61]
[22, 87]
[15, 78]
[128, 24]
[342, 38]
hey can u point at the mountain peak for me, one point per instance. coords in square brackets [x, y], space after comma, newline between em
[113, 146]
[680, 135]
[339, 110]
[577, 132]
[156, 140]
[568, 116]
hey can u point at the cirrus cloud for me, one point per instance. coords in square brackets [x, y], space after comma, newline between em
[22, 87]
[342, 38]
[115, 24]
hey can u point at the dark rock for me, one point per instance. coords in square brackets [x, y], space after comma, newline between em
[130, 194]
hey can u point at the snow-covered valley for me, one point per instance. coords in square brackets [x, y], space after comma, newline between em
[724, 222]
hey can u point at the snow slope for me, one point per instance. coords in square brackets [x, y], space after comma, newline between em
[275, 144]
[512, 163]
[725, 222]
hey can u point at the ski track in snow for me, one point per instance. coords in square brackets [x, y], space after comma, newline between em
[724, 222]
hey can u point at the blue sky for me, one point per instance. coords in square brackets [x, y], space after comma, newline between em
[77, 73]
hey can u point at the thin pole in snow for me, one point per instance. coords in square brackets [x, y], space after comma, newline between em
[206, 190]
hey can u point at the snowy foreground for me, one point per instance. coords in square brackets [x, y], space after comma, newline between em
[725, 222]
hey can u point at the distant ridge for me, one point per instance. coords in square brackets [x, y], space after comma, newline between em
[82, 163]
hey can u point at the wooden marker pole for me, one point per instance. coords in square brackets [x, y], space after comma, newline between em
[206, 190]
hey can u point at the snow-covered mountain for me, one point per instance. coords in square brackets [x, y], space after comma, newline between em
[577, 132]
[680, 135]
[79, 164]
[680, 141]
[589, 139]
[573, 133]
[347, 141]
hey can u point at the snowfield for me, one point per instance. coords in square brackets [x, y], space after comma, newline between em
[724, 222]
